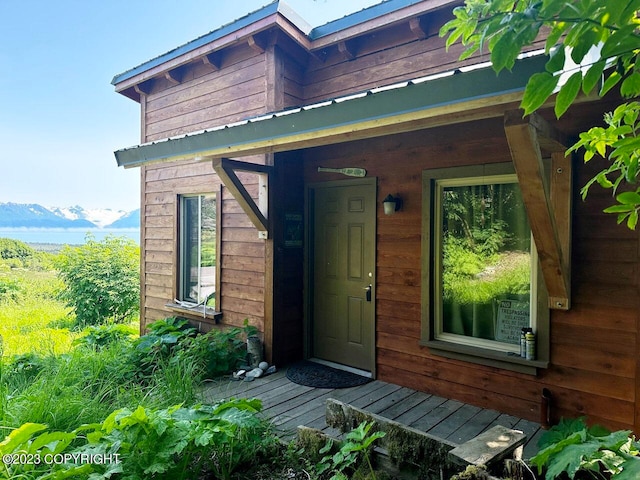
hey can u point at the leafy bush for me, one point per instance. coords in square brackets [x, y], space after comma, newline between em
[9, 289]
[10, 248]
[102, 335]
[571, 447]
[154, 348]
[216, 352]
[352, 457]
[102, 279]
[172, 340]
[146, 443]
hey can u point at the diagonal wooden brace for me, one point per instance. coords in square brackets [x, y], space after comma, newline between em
[550, 218]
[225, 168]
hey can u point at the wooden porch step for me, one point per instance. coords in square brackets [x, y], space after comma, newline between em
[490, 447]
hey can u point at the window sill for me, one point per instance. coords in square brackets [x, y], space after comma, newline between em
[199, 311]
[483, 356]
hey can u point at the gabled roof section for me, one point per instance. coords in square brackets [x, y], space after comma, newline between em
[365, 15]
[278, 13]
[219, 33]
[451, 97]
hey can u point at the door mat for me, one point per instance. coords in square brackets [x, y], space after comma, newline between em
[316, 375]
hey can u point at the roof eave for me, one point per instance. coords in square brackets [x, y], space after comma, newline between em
[450, 98]
[252, 23]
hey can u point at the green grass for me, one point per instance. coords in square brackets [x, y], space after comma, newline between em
[46, 378]
[32, 320]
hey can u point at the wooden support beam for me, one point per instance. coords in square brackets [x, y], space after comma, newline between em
[257, 43]
[347, 50]
[561, 189]
[174, 77]
[523, 138]
[418, 28]
[213, 60]
[144, 88]
[225, 168]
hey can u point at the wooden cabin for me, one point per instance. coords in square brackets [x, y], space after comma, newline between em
[484, 232]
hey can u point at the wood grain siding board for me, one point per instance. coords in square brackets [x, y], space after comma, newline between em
[379, 69]
[229, 98]
[205, 81]
[210, 117]
[159, 279]
[243, 307]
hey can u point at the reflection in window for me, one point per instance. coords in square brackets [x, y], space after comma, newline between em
[197, 281]
[483, 262]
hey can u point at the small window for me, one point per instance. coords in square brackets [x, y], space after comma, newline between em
[483, 286]
[197, 247]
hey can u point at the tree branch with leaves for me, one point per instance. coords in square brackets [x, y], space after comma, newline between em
[602, 38]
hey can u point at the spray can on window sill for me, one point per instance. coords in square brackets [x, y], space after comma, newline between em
[523, 341]
[530, 340]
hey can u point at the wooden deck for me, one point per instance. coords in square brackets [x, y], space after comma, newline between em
[288, 405]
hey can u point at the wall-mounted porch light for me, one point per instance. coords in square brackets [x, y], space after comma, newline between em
[391, 204]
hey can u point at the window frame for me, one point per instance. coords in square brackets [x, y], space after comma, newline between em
[179, 304]
[485, 352]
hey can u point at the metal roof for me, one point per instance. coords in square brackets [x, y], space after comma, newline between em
[278, 6]
[355, 116]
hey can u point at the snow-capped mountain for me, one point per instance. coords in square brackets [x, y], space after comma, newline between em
[33, 215]
[101, 217]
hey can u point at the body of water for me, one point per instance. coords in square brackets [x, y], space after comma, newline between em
[66, 236]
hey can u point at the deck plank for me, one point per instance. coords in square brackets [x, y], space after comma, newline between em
[412, 416]
[473, 426]
[405, 405]
[389, 400]
[288, 405]
[452, 423]
[437, 415]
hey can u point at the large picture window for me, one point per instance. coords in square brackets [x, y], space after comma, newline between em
[197, 271]
[482, 287]
[483, 275]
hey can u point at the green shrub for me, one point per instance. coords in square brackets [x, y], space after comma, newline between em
[216, 352]
[102, 279]
[155, 348]
[172, 340]
[571, 448]
[352, 459]
[10, 289]
[146, 443]
[10, 248]
[99, 336]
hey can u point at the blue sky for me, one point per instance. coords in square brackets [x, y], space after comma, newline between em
[60, 119]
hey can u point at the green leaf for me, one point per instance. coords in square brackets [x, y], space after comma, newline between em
[619, 209]
[538, 90]
[632, 221]
[630, 469]
[611, 81]
[593, 76]
[505, 51]
[629, 198]
[19, 436]
[621, 41]
[568, 94]
[631, 85]
[556, 60]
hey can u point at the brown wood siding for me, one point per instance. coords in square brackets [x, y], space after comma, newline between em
[207, 98]
[383, 60]
[241, 257]
[593, 346]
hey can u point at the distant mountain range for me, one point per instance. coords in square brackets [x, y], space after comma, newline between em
[32, 215]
